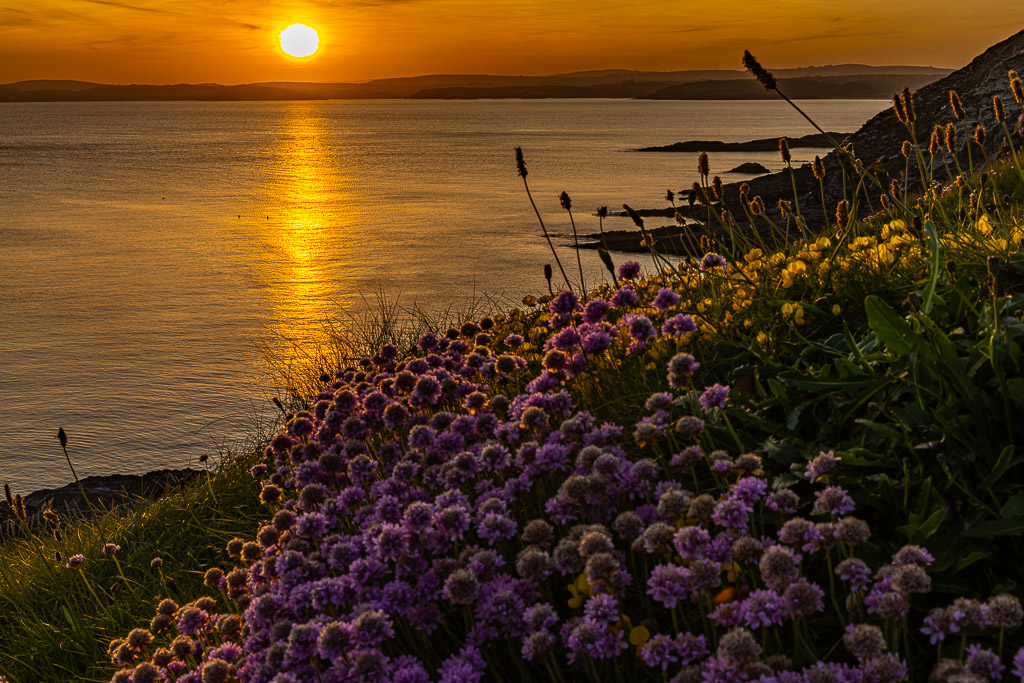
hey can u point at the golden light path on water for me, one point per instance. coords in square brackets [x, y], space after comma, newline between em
[309, 236]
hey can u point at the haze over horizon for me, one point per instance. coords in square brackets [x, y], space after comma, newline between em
[164, 42]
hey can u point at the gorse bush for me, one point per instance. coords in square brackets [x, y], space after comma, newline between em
[788, 457]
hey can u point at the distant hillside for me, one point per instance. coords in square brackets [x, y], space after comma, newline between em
[618, 83]
[864, 87]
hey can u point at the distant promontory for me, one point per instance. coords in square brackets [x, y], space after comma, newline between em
[848, 81]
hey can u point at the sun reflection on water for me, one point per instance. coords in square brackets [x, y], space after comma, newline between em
[308, 233]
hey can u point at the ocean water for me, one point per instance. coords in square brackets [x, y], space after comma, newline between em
[149, 250]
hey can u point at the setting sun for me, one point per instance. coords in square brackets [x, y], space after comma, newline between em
[299, 40]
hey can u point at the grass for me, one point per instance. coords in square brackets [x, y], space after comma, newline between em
[895, 340]
[57, 622]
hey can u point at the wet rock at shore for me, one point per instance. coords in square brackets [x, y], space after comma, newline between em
[750, 167]
[103, 493]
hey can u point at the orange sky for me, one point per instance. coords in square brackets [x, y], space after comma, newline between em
[232, 41]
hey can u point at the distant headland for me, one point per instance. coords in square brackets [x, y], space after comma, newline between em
[846, 81]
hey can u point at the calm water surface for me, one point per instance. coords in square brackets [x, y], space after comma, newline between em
[145, 247]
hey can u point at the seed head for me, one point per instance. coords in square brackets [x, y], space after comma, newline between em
[897, 106]
[698, 193]
[763, 75]
[938, 140]
[819, 168]
[62, 437]
[997, 105]
[908, 104]
[19, 508]
[602, 212]
[565, 201]
[956, 105]
[670, 196]
[907, 149]
[716, 186]
[520, 162]
[637, 220]
[784, 150]
[703, 165]
[1017, 87]
[979, 135]
[843, 212]
[547, 273]
[7, 493]
[951, 138]
[894, 187]
[757, 207]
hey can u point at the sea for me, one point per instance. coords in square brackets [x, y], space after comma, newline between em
[164, 264]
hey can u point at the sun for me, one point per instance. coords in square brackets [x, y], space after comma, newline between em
[299, 40]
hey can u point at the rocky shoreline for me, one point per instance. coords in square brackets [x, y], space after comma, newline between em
[103, 492]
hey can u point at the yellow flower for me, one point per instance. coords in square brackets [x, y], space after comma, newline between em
[580, 590]
[638, 636]
[836, 310]
[983, 225]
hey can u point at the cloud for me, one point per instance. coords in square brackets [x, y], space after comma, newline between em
[124, 5]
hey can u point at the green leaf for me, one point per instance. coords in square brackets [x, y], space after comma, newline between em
[967, 561]
[1013, 507]
[918, 532]
[883, 430]
[1002, 527]
[936, 259]
[1002, 464]
[892, 330]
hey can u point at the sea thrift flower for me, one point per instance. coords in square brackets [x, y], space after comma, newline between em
[712, 260]
[111, 549]
[624, 297]
[681, 369]
[75, 561]
[714, 396]
[665, 299]
[679, 325]
[630, 270]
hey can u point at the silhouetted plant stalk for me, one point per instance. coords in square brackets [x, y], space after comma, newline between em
[521, 167]
[566, 203]
[767, 79]
[63, 438]
[602, 213]
[648, 241]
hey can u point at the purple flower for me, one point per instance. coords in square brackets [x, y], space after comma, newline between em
[467, 666]
[912, 554]
[624, 297]
[712, 260]
[764, 608]
[679, 325]
[564, 302]
[629, 270]
[1018, 663]
[681, 369]
[514, 340]
[111, 549]
[854, 572]
[595, 310]
[75, 561]
[602, 608]
[732, 513]
[833, 501]
[669, 584]
[714, 396]
[639, 326]
[822, 465]
[983, 662]
[665, 299]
